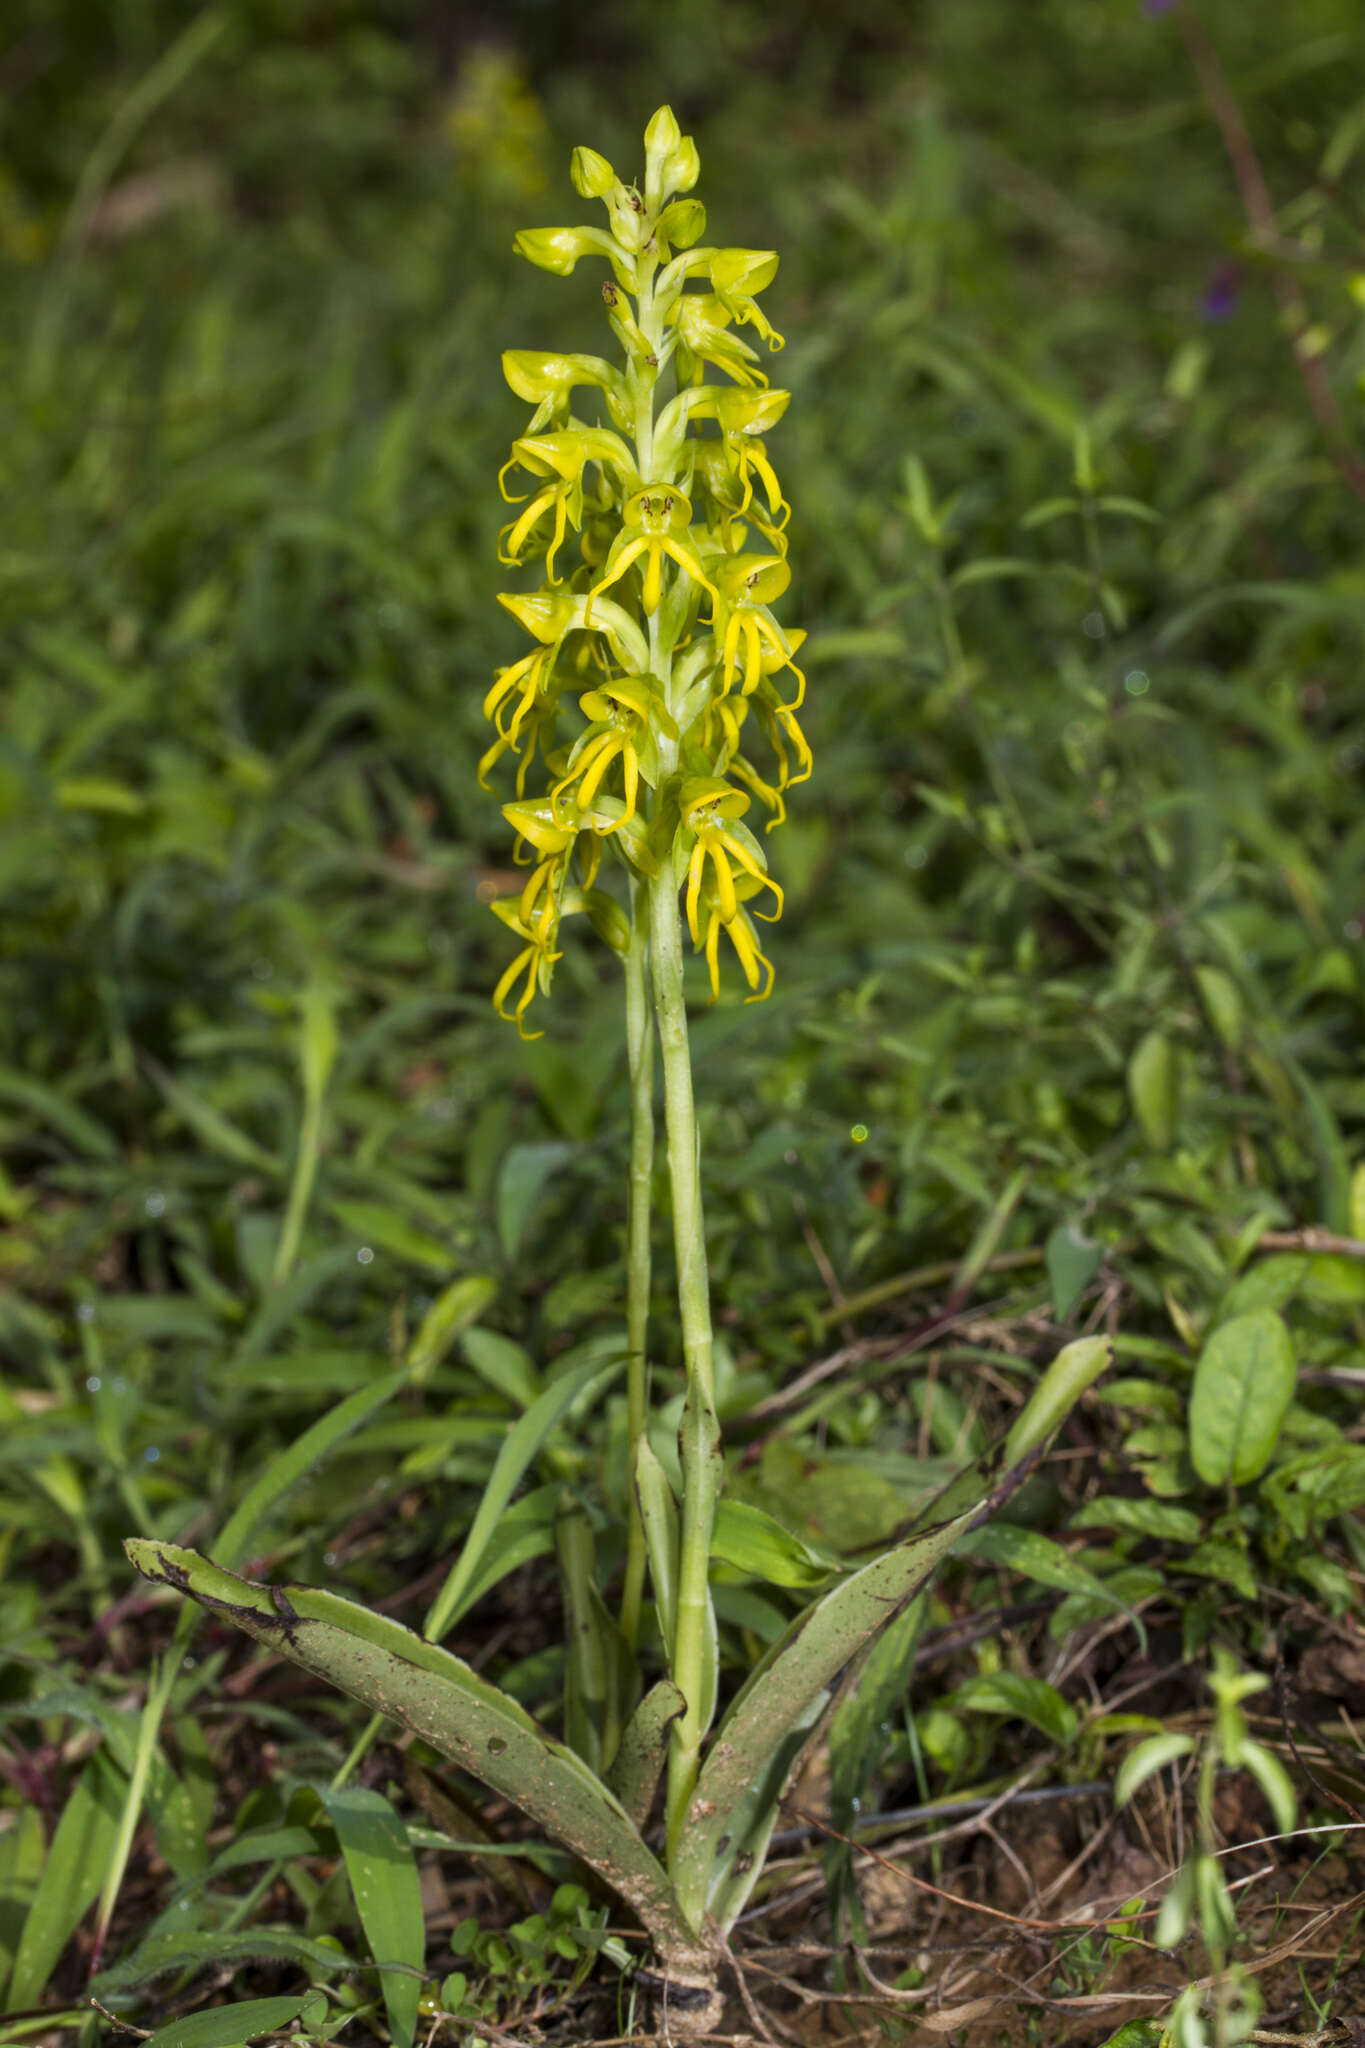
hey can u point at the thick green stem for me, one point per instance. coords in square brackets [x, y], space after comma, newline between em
[640, 1058]
[703, 1463]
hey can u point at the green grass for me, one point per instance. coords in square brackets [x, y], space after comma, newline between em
[1073, 952]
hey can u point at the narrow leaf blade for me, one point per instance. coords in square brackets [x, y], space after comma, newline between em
[383, 1874]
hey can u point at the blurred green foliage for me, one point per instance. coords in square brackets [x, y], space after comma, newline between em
[1070, 984]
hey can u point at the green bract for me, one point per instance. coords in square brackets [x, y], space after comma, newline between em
[659, 511]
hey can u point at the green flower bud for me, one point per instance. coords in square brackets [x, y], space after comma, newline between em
[671, 160]
[593, 177]
[682, 224]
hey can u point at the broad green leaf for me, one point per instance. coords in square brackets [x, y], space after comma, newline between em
[1273, 1779]
[754, 1542]
[1271, 1283]
[1243, 1385]
[1073, 1259]
[1076, 1367]
[858, 1733]
[1010, 1694]
[1222, 999]
[522, 1180]
[425, 1689]
[1228, 1563]
[383, 1876]
[72, 1876]
[1144, 2033]
[1152, 1089]
[524, 1440]
[1139, 1517]
[229, 2026]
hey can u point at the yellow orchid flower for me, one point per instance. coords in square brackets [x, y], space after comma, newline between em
[534, 964]
[648, 486]
[729, 491]
[703, 325]
[623, 715]
[559, 249]
[655, 523]
[562, 458]
[748, 584]
[537, 827]
[545, 378]
[782, 730]
[524, 680]
[739, 930]
[736, 274]
[711, 810]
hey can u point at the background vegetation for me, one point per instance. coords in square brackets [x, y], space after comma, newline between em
[1070, 997]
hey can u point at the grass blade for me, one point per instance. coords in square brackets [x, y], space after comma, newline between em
[523, 1442]
[71, 1877]
[383, 1874]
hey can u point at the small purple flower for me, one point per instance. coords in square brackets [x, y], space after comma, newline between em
[1220, 294]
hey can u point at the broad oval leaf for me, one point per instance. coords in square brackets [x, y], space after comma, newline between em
[1243, 1385]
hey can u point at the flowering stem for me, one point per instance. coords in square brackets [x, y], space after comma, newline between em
[702, 1460]
[640, 1058]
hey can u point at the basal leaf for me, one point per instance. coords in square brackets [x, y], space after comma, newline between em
[414, 1682]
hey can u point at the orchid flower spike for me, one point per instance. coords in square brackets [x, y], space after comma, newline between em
[644, 493]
